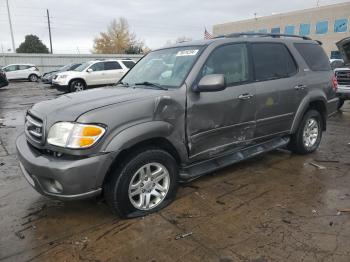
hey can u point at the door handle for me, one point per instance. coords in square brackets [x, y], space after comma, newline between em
[245, 96]
[300, 87]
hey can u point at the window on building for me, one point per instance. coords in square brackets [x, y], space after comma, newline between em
[304, 29]
[289, 30]
[322, 27]
[336, 54]
[272, 61]
[314, 56]
[262, 31]
[231, 61]
[275, 30]
[341, 25]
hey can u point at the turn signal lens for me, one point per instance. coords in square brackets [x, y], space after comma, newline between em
[91, 131]
[86, 141]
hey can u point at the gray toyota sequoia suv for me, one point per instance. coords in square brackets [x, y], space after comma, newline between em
[179, 113]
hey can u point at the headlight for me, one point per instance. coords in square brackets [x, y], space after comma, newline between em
[62, 76]
[74, 135]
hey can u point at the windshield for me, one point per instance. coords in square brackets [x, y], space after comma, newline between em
[167, 67]
[65, 68]
[82, 67]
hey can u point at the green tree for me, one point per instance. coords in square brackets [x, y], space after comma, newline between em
[117, 40]
[32, 44]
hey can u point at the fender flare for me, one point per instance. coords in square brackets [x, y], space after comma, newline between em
[304, 106]
[142, 132]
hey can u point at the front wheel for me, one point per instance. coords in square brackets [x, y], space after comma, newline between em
[309, 133]
[77, 86]
[142, 184]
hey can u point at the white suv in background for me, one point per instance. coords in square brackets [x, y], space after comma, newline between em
[92, 74]
[22, 71]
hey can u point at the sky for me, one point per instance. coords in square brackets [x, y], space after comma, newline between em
[75, 23]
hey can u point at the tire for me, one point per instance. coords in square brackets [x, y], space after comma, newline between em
[299, 143]
[126, 180]
[341, 103]
[77, 86]
[33, 78]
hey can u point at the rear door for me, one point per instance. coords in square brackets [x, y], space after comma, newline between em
[114, 72]
[23, 71]
[280, 86]
[223, 120]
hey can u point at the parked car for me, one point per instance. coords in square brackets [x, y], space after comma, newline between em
[47, 77]
[225, 100]
[22, 72]
[3, 79]
[92, 74]
[343, 73]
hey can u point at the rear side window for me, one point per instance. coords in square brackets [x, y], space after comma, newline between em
[24, 67]
[112, 66]
[272, 61]
[129, 64]
[229, 60]
[314, 56]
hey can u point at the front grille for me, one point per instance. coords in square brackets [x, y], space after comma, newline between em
[34, 128]
[343, 77]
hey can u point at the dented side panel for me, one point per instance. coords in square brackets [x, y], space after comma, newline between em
[220, 121]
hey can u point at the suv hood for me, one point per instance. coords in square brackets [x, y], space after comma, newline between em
[70, 106]
[344, 48]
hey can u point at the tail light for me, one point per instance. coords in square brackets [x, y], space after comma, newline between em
[335, 83]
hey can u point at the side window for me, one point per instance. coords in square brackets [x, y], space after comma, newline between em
[11, 68]
[230, 60]
[272, 61]
[98, 66]
[112, 65]
[23, 67]
[129, 64]
[314, 56]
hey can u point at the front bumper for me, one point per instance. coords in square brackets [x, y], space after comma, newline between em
[59, 178]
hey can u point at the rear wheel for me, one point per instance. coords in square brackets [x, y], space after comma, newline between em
[340, 103]
[142, 184]
[33, 78]
[77, 86]
[308, 136]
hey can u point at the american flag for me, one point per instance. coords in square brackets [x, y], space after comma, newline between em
[207, 35]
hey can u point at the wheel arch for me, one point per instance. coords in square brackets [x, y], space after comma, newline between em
[77, 78]
[317, 103]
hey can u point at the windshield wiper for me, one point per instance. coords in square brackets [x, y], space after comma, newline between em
[123, 84]
[146, 83]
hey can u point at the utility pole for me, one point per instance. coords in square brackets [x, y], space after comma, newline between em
[11, 30]
[49, 25]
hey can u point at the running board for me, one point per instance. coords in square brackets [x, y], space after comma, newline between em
[188, 173]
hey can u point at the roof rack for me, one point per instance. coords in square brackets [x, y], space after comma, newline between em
[264, 35]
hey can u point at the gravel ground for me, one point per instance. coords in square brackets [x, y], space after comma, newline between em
[276, 207]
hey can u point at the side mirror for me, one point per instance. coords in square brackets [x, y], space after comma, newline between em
[89, 70]
[211, 83]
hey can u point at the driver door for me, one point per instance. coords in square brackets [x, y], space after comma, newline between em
[224, 120]
[97, 76]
